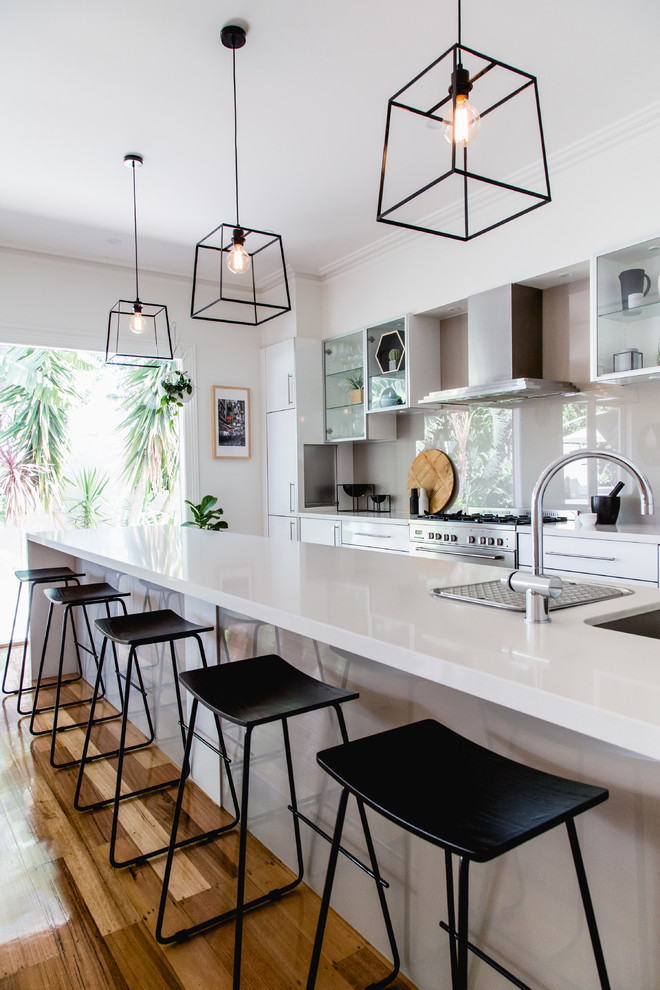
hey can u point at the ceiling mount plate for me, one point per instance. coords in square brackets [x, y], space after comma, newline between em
[133, 161]
[233, 36]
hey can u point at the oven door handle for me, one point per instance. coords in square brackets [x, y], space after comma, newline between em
[461, 553]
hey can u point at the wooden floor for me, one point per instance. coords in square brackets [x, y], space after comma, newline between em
[69, 921]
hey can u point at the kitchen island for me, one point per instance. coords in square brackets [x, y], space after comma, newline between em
[568, 697]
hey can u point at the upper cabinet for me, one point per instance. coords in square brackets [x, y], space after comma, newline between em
[403, 362]
[625, 314]
[281, 376]
[372, 374]
[343, 365]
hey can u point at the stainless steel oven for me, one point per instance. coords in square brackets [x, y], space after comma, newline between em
[481, 543]
[483, 537]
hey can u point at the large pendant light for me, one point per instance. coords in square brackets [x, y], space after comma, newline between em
[240, 272]
[138, 332]
[464, 149]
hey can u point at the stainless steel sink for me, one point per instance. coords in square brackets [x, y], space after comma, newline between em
[640, 624]
[497, 594]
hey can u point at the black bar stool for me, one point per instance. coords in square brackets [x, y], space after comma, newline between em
[471, 802]
[32, 577]
[80, 596]
[248, 693]
[135, 631]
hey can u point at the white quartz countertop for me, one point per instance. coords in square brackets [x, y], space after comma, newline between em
[601, 683]
[635, 532]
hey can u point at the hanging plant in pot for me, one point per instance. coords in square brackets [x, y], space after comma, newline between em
[175, 392]
[355, 387]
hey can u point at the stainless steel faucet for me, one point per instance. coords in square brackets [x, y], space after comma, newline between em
[539, 587]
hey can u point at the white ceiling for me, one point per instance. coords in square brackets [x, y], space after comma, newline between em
[85, 82]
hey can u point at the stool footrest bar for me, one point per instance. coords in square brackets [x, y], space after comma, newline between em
[345, 852]
[487, 959]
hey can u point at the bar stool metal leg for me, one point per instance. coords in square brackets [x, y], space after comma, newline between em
[92, 721]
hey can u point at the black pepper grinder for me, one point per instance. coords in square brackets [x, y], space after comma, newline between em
[414, 501]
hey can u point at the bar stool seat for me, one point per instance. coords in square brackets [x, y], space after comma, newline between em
[249, 693]
[77, 596]
[32, 577]
[471, 802]
[134, 631]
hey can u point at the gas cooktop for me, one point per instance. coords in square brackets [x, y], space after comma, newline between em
[503, 519]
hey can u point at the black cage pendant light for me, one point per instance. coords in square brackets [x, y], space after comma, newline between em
[138, 332]
[240, 273]
[464, 149]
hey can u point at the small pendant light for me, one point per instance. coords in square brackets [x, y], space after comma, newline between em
[240, 273]
[138, 332]
[491, 166]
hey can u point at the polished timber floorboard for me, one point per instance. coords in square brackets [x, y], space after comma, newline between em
[69, 921]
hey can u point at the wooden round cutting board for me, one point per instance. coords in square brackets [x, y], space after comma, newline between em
[433, 471]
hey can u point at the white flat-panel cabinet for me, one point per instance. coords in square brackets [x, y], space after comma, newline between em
[283, 528]
[326, 531]
[282, 463]
[280, 376]
[624, 559]
[375, 535]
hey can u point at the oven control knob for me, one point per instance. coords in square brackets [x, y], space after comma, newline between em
[491, 541]
[454, 538]
[500, 541]
[446, 536]
[472, 539]
[430, 536]
[482, 539]
[438, 536]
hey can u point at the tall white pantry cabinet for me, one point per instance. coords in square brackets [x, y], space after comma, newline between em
[294, 417]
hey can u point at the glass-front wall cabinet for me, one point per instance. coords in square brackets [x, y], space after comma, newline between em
[625, 308]
[387, 366]
[343, 361]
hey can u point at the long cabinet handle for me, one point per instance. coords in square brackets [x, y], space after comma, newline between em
[580, 556]
[376, 536]
[462, 553]
[292, 496]
[289, 389]
[337, 535]
[292, 531]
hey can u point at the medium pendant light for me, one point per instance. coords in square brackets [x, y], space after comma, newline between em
[240, 272]
[138, 332]
[464, 150]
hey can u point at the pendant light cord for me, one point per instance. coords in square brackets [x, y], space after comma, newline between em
[233, 53]
[137, 292]
[459, 23]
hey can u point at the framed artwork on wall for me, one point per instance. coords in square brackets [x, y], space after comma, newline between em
[231, 421]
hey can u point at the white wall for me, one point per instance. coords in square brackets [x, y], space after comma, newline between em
[64, 303]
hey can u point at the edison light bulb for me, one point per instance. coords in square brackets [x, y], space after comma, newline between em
[238, 260]
[463, 126]
[137, 323]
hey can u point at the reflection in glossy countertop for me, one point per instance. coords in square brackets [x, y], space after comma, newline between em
[568, 672]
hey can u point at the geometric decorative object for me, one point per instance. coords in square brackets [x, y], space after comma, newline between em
[138, 332]
[457, 167]
[240, 272]
[391, 341]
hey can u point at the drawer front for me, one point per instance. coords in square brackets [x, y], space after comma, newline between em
[374, 535]
[609, 558]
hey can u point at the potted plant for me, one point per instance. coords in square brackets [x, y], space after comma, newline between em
[394, 357]
[175, 392]
[355, 386]
[205, 516]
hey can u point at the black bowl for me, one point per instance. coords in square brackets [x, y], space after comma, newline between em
[355, 491]
[378, 498]
[606, 508]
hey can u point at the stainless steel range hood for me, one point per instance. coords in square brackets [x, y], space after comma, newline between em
[505, 351]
